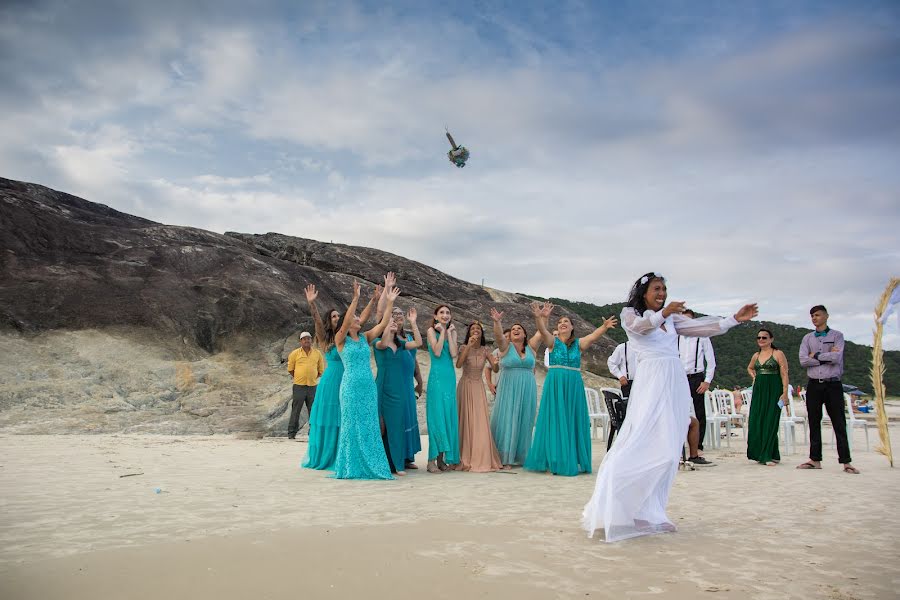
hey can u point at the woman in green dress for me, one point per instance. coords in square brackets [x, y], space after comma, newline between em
[769, 370]
[440, 405]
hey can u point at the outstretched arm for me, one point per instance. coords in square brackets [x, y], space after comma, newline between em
[386, 318]
[311, 295]
[341, 334]
[411, 315]
[367, 311]
[710, 326]
[585, 342]
[390, 281]
[541, 313]
[499, 338]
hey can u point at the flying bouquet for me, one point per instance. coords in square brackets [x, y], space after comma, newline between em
[459, 154]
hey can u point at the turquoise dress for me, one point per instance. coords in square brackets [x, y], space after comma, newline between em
[325, 420]
[392, 402]
[360, 452]
[562, 435]
[411, 422]
[512, 420]
[440, 408]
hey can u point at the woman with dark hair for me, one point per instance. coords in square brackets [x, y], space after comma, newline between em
[562, 434]
[515, 402]
[440, 408]
[477, 452]
[360, 452]
[769, 369]
[325, 417]
[635, 477]
[394, 384]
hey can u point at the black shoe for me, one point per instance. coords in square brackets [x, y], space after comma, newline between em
[292, 437]
[700, 461]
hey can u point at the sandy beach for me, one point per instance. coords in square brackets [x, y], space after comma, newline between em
[81, 518]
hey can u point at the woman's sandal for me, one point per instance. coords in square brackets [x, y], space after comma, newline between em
[411, 465]
[851, 469]
[432, 467]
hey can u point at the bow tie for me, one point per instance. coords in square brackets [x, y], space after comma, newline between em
[822, 333]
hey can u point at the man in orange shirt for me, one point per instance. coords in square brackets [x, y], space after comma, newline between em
[305, 364]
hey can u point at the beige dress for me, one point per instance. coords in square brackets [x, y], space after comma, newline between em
[477, 451]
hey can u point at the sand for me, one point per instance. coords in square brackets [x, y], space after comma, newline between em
[238, 519]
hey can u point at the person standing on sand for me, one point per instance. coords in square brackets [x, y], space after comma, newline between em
[305, 365]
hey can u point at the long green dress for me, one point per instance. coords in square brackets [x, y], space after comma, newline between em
[765, 414]
[512, 421]
[325, 420]
[392, 400]
[562, 434]
[441, 412]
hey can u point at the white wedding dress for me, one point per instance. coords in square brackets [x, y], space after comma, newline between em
[635, 477]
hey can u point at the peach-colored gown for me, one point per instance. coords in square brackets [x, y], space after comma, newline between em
[477, 451]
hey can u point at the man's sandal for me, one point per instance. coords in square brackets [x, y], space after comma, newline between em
[851, 469]
[808, 465]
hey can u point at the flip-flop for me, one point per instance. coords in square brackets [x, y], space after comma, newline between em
[851, 469]
[808, 465]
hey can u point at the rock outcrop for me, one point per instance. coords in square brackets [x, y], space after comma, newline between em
[116, 323]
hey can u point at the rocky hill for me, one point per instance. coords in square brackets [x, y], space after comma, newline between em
[111, 322]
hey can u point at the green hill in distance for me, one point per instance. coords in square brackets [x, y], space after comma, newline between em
[734, 349]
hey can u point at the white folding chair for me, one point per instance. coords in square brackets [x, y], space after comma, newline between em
[596, 412]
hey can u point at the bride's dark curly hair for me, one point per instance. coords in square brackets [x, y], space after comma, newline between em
[636, 296]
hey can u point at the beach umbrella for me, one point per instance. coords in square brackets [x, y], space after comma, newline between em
[888, 302]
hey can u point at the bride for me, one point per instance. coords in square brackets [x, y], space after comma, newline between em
[634, 480]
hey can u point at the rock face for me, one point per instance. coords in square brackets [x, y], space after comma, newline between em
[118, 323]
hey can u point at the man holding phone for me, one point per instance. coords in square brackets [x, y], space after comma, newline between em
[822, 353]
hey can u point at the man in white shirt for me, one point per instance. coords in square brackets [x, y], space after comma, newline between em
[622, 365]
[699, 362]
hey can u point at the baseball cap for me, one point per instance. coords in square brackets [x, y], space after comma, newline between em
[305, 334]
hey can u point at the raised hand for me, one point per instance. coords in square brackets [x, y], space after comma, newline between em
[747, 312]
[356, 290]
[472, 341]
[610, 323]
[451, 329]
[311, 293]
[411, 315]
[536, 308]
[377, 293]
[439, 327]
[496, 315]
[546, 309]
[392, 293]
[390, 280]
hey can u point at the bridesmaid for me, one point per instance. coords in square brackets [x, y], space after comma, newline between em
[440, 408]
[360, 453]
[477, 452]
[562, 437]
[395, 383]
[769, 370]
[325, 420]
[515, 400]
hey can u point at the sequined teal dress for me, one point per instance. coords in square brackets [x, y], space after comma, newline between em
[765, 414]
[360, 452]
[440, 408]
[325, 420]
[562, 434]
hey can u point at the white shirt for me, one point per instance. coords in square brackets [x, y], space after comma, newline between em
[694, 353]
[622, 362]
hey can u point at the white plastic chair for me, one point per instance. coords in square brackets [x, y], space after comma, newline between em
[788, 425]
[596, 412]
[714, 421]
[727, 408]
[792, 414]
[854, 422]
[747, 397]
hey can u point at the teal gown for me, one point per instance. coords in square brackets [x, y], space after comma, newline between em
[562, 435]
[360, 452]
[512, 420]
[392, 402]
[765, 414]
[440, 408]
[411, 422]
[325, 420]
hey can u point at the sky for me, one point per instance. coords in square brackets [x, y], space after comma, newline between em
[747, 151]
